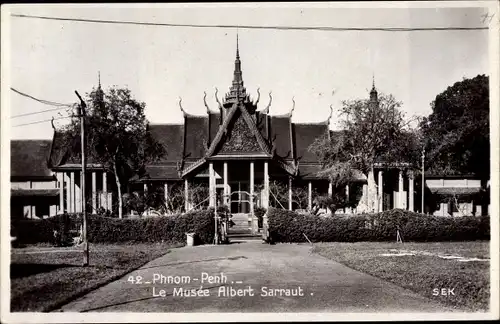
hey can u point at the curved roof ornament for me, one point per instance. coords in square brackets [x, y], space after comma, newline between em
[205, 102]
[293, 107]
[180, 106]
[258, 96]
[217, 98]
[331, 113]
[266, 110]
[52, 123]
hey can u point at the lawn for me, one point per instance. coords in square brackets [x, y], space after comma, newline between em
[45, 278]
[423, 271]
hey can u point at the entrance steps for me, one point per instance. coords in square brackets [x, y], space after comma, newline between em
[242, 228]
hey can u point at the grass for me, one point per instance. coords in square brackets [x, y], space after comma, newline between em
[43, 280]
[423, 273]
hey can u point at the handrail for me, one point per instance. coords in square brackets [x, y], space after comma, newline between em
[276, 199]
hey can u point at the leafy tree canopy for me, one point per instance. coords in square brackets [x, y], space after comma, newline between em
[117, 135]
[371, 132]
[456, 133]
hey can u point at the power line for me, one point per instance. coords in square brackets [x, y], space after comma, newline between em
[37, 112]
[42, 121]
[317, 28]
[46, 102]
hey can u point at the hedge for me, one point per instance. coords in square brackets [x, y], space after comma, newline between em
[288, 226]
[114, 230]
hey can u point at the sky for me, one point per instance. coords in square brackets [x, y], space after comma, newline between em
[51, 59]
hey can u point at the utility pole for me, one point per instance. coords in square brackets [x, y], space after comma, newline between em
[423, 179]
[81, 113]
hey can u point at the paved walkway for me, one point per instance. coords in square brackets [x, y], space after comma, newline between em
[326, 286]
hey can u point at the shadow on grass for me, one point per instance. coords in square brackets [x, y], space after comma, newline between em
[21, 270]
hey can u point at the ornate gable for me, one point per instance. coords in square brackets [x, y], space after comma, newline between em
[239, 138]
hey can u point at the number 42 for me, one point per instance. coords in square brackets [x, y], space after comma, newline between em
[135, 279]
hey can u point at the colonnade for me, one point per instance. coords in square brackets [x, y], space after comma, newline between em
[70, 195]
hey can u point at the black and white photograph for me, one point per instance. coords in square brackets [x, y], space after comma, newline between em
[249, 161]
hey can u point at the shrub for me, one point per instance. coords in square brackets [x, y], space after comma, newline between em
[114, 230]
[57, 230]
[288, 226]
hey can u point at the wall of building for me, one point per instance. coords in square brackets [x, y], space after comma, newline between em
[33, 207]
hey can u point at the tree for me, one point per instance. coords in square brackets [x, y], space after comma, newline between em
[373, 130]
[117, 135]
[456, 133]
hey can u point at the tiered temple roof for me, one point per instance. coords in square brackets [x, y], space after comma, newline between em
[237, 130]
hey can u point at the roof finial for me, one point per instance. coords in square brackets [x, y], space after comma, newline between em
[293, 107]
[373, 91]
[52, 123]
[266, 110]
[205, 101]
[180, 106]
[99, 77]
[237, 45]
[217, 98]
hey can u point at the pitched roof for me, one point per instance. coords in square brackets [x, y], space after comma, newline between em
[196, 136]
[171, 136]
[312, 170]
[164, 171]
[66, 154]
[262, 125]
[29, 159]
[304, 136]
[214, 119]
[280, 134]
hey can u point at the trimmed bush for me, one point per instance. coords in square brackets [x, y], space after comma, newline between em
[57, 230]
[114, 230]
[288, 226]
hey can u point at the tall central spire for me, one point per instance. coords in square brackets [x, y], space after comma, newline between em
[237, 47]
[373, 92]
[237, 91]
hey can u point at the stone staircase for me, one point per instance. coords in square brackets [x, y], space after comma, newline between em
[242, 228]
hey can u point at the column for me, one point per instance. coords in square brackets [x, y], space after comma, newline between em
[186, 195]
[226, 189]
[211, 185]
[290, 193]
[68, 192]
[145, 192]
[94, 192]
[105, 190]
[265, 202]
[330, 194]
[60, 181]
[252, 184]
[411, 193]
[309, 196]
[165, 195]
[401, 189]
[72, 188]
[347, 210]
[380, 190]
